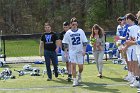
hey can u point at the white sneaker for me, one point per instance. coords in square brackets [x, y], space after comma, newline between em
[79, 78]
[127, 78]
[75, 82]
[136, 84]
[123, 62]
[132, 80]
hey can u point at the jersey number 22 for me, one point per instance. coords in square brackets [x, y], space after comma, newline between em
[75, 40]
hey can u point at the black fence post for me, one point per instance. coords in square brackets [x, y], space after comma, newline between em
[4, 49]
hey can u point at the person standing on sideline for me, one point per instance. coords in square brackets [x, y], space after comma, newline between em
[118, 40]
[136, 82]
[131, 49]
[75, 41]
[98, 46]
[65, 58]
[50, 42]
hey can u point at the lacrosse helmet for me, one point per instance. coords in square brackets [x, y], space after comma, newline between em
[27, 67]
[7, 72]
[35, 72]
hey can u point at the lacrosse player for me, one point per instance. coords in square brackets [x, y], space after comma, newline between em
[119, 41]
[75, 40]
[136, 41]
[65, 57]
[131, 49]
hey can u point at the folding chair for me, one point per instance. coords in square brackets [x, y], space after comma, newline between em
[110, 49]
[59, 52]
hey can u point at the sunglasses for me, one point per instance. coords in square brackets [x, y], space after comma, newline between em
[74, 24]
[65, 27]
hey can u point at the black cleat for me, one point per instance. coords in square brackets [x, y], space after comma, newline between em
[56, 74]
[69, 78]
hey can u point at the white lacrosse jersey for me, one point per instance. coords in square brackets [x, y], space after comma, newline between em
[132, 33]
[119, 31]
[75, 40]
[138, 39]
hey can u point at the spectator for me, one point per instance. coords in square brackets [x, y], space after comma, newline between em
[98, 47]
[50, 42]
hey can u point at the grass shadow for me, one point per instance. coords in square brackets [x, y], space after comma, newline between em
[114, 79]
[62, 81]
[98, 87]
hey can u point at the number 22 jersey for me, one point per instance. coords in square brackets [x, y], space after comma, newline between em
[75, 40]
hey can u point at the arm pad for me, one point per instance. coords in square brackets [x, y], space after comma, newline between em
[65, 45]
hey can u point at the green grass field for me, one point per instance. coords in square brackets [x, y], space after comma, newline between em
[16, 48]
[112, 81]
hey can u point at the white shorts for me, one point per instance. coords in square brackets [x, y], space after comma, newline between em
[77, 58]
[138, 57]
[131, 55]
[64, 58]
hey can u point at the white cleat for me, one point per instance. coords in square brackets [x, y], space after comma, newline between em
[75, 83]
[132, 80]
[136, 84]
[79, 78]
[127, 78]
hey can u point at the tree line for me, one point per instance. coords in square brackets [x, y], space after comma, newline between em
[28, 16]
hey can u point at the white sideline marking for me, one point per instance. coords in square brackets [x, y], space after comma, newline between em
[60, 87]
[35, 88]
[95, 85]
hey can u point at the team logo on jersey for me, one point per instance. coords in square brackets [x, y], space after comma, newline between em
[48, 38]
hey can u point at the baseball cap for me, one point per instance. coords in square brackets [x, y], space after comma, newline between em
[65, 23]
[122, 18]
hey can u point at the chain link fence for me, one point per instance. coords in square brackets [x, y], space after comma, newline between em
[25, 47]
